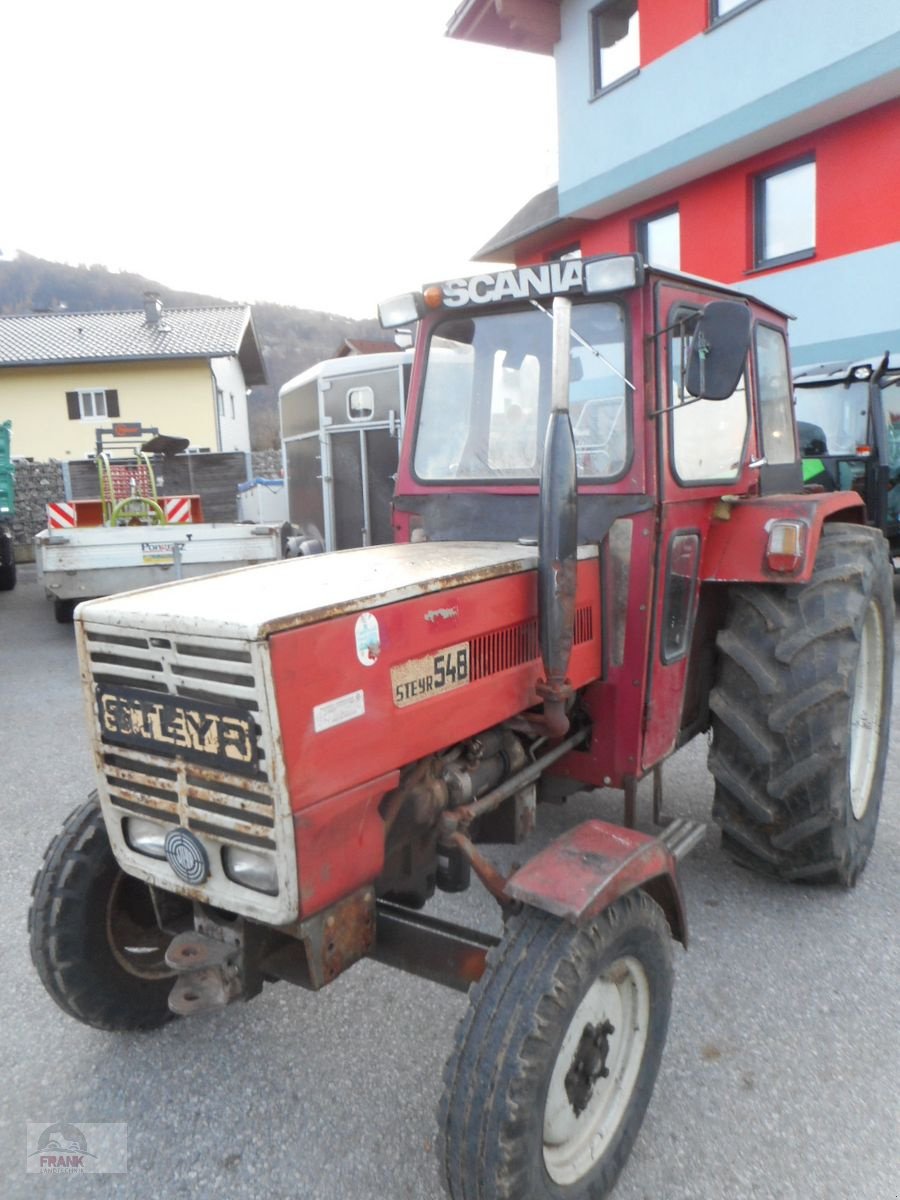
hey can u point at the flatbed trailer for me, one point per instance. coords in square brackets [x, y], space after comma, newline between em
[130, 536]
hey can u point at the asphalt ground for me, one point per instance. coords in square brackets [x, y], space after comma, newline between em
[780, 1079]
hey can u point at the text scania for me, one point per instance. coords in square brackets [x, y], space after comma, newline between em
[545, 280]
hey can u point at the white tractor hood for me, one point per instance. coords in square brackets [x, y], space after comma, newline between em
[254, 602]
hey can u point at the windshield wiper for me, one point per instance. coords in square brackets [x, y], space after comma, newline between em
[587, 345]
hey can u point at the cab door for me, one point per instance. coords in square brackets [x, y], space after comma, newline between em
[704, 449]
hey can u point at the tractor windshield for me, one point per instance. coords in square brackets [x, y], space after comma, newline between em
[833, 420]
[486, 396]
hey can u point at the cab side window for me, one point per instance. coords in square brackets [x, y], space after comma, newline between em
[708, 437]
[773, 387]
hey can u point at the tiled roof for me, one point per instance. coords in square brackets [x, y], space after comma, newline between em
[67, 337]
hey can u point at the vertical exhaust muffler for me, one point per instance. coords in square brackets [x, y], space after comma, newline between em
[558, 535]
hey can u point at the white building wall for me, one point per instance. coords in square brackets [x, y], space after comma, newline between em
[230, 399]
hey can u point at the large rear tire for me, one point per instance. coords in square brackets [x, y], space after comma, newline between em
[94, 939]
[555, 1061]
[801, 714]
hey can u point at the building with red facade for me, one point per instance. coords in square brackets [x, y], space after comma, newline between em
[755, 142]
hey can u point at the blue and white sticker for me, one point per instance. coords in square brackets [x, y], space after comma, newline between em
[368, 639]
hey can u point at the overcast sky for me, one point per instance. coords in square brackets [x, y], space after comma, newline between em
[320, 154]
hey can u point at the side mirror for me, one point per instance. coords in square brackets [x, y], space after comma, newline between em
[718, 350]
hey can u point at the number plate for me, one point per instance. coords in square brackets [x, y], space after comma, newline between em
[421, 678]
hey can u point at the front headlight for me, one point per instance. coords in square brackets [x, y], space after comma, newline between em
[146, 837]
[252, 870]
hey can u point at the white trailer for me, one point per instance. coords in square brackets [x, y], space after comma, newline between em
[341, 425]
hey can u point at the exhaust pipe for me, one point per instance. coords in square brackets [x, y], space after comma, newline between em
[558, 534]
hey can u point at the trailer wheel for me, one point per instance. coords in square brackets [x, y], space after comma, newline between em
[7, 561]
[64, 611]
[556, 1058]
[94, 940]
[801, 711]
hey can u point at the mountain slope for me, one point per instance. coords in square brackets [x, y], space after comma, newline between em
[291, 339]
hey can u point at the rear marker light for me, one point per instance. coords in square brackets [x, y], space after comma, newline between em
[786, 546]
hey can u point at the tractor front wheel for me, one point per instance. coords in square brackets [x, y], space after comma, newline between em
[95, 941]
[801, 712]
[556, 1058]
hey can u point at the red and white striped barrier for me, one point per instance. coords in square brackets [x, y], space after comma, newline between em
[61, 515]
[177, 509]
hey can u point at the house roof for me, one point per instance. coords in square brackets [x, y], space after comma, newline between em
[66, 338]
[530, 229]
[521, 25]
[356, 346]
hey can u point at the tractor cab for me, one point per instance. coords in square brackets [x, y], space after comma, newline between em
[644, 431]
[848, 422]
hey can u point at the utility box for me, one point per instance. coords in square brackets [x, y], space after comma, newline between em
[262, 500]
[341, 425]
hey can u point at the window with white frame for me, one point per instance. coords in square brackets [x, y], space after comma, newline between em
[92, 404]
[361, 403]
[785, 213]
[659, 239]
[615, 42]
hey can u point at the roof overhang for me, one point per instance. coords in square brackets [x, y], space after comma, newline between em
[250, 356]
[532, 25]
[535, 226]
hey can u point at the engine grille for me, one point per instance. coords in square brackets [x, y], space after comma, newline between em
[223, 807]
[517, 644]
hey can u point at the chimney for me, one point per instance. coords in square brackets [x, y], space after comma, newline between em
[152, 308]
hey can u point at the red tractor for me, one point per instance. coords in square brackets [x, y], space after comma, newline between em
[603, 548]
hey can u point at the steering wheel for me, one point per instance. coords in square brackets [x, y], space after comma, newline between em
[137, 510]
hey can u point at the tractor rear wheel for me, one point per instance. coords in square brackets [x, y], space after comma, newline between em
[801, 711]
[555, 1061]
[94, 938]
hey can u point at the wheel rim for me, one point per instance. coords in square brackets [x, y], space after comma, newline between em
[865, 713]
[617, 1009]
[137, 942]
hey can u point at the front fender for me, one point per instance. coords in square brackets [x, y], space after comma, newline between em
[735, 549]
[593, 865]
